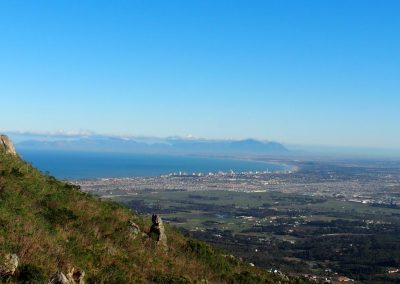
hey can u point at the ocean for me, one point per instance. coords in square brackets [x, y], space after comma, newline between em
[85, 165]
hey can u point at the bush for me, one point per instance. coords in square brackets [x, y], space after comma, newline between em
[70, 186]
[247, 278]
[215, 260]
[31, 274]
[59, 216]
[170, 279]
[16, 172]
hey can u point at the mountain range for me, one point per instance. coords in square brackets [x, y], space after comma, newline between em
[172, 145]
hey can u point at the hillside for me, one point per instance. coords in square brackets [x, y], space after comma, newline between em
[48, 226]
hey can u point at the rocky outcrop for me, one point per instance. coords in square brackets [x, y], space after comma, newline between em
[133, 228]
[157, 231]
[59, 278]
[9, 265]
[74, 276]
[7, 145]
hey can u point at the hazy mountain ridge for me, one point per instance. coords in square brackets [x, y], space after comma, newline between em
[173, 145]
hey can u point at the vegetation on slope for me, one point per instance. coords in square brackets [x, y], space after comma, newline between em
[52, 226]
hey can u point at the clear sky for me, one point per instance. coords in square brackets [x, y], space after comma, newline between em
[303, 72]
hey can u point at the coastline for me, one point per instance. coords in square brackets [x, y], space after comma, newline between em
[81, 165]
[273, 161]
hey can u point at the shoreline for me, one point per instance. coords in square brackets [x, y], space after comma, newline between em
[89, 166]
[289, 169]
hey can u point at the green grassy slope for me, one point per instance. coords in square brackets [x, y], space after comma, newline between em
[52, 226]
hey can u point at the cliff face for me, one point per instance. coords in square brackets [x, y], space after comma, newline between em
[7, 145]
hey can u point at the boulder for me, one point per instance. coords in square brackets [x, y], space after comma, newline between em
[9, 265]
[157, 231]
[7, 145]
[59, 278]
[134, 229]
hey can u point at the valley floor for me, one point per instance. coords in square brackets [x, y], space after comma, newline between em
[324, 221]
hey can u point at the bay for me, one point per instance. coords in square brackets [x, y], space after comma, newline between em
[89, 165]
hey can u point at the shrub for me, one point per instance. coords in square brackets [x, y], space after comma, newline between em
[170, 279]
[16, 172]
[70, 186]
[247, 278]
[58, 216]
[215, 260]
[31, 274]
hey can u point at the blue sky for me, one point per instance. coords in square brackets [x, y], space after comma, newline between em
[299, 72]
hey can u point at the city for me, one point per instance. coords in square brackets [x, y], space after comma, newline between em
[356, 181]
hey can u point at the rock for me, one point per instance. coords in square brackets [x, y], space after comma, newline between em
[134, 229]
[7, 145]
[59, 278]
[9, 265]
[157, 231]
[75, 276]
